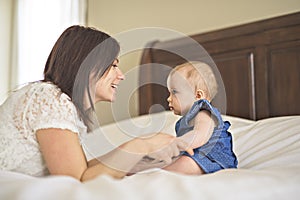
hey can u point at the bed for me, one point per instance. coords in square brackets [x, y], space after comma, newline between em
[260, 68]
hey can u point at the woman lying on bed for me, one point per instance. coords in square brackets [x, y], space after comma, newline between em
[42, 124]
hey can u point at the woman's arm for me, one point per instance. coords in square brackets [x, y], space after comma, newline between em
[63, 154]
[160, 146]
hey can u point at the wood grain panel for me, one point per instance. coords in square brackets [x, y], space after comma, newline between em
[259, 63]
[284, 79]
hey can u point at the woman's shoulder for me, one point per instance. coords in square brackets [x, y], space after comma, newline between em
[24, 93]
[36, 87]
[47, 92]
[48, 107]
[40, 96]
[42, 87]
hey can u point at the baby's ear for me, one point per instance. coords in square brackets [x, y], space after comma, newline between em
[201, 94]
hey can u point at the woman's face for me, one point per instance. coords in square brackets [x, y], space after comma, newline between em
[106, 86]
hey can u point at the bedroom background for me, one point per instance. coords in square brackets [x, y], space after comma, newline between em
[189, 17]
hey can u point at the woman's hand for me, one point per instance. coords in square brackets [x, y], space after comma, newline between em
[163, 147]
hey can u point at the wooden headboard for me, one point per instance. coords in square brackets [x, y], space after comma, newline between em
[259, 64]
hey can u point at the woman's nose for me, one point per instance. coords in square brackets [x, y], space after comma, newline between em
[120, 75]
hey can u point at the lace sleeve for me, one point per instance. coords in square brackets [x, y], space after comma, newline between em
[50, 108]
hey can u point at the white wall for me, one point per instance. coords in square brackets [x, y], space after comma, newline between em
[5, 41]
[190, 16]
[187, 17]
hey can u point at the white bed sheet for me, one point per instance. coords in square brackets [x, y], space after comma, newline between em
[269, 168]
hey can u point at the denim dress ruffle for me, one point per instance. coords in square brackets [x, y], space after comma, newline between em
[217, 153]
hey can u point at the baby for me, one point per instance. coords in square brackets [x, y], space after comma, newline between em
[192, 86]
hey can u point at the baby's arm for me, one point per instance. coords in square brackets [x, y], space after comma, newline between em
[203, 128]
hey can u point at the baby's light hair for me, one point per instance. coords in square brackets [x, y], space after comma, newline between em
[200, 76]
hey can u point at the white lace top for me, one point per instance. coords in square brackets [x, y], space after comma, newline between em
[36, 106]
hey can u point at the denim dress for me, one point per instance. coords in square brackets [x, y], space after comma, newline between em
[217, 153]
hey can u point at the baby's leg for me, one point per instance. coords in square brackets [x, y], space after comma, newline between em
[185, 165]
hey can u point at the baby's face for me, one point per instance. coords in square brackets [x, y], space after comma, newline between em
[182, 95]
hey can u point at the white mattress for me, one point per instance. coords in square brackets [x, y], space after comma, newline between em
[269, 168]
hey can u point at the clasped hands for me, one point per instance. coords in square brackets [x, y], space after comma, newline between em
[163, 147]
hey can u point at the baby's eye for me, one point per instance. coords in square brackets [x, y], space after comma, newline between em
[174, 91]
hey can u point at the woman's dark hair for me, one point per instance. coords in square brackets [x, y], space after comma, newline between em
[80, 54]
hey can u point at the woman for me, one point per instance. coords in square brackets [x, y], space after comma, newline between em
[41, 124]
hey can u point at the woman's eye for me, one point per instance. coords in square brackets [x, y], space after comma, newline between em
[115, 65]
